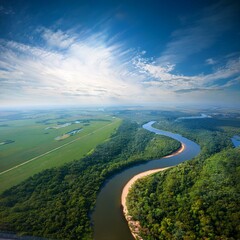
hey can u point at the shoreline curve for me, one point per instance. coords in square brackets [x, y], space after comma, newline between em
[134, 226]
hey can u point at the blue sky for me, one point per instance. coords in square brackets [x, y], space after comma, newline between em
[155, 53]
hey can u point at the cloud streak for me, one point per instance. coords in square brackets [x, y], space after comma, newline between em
[57, 39]
[201, 34]
[66, 67]
[90, 71]
[86, 67]
[162, 76]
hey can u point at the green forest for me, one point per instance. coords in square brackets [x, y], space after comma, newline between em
[57, 202]
[198, 199]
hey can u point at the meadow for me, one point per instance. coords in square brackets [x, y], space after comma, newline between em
[34, 147]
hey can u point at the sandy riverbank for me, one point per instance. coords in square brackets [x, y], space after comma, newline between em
[135, 225]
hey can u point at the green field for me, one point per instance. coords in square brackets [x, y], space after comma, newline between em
[35, 148]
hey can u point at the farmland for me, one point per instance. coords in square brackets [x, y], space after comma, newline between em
[32, 140]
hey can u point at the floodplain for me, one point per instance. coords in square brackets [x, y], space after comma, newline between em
[39, 140]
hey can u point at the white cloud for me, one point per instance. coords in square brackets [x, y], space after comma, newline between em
[162, 76]
[73, 69]
[210, 61]
[193, 38]
[88, 70]
[57, 39]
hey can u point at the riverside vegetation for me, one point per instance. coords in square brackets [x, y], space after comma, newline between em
[56, 203]
[199, 199]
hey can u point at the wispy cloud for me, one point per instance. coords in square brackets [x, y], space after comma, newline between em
[6, 11]
[162, 76]
[198, 33]
[89, 67]
[193, 37]
[57, 39]
[86, 67]
[90, 70]
[210, 61]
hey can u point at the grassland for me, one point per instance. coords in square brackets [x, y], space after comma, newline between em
[35, 148]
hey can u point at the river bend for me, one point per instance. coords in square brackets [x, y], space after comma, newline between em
[109, 221]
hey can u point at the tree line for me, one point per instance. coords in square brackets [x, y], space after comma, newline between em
[57, 202]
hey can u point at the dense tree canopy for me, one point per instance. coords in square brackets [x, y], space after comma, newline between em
[56, 203]
[198, 199]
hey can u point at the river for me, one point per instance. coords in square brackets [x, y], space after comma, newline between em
[108, 219]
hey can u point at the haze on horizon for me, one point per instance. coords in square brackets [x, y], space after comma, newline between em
[119, 53]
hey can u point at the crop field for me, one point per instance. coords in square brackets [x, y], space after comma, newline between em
[34, 141]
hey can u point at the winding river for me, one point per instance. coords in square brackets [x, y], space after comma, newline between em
[109, 221]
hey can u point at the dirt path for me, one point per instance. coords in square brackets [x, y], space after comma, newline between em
[55, 149]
